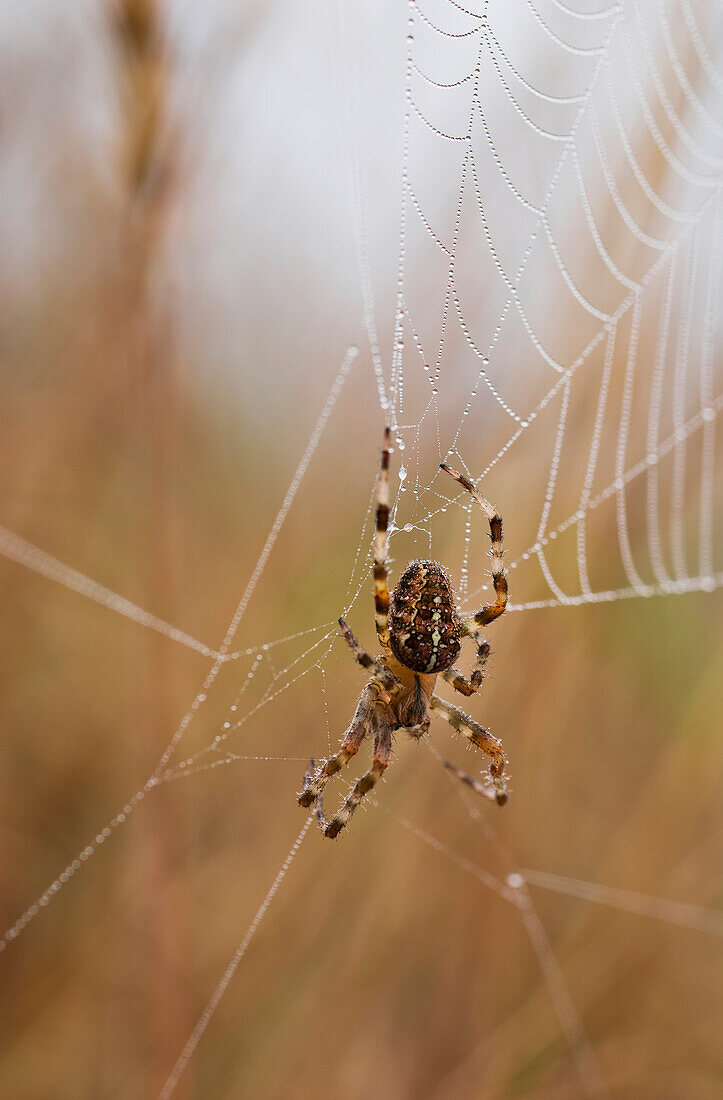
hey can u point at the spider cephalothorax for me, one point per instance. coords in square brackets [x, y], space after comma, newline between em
[424, 627]
[420, 634]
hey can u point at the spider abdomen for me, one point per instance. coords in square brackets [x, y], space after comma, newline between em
[424, 627]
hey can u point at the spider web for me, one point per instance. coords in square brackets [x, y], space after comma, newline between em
[557, 295]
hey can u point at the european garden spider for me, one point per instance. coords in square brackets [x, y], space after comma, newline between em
[420, 633]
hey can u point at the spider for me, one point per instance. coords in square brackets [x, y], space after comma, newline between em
[420, 633]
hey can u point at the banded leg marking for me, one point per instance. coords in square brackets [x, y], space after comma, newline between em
[470, 781]
[457, 680]
[380, 762]
[385, 677]
[480, 737]
[318, 808]
[313, 786]
[381, 546]
[490, 611]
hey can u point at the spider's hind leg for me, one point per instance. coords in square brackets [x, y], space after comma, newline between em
[480, 737]
[380, 762]
[313, 785]
[318, 807]
[469, 780]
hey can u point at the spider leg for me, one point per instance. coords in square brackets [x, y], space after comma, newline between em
[318, 808]
[490, 611]
[380, 762]
[457, 680]
[313, 785]
[387, 678]
[381, 547]
[470, 781]
[418, 731]
[480, 737]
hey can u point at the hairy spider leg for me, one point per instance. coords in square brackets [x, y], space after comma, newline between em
[313, 786]
[318, 808]
[457, 680]
[387, 678]
[490, 611]
[380, 762]
[420, 730]
[480, 737]
[470, 781]
[381, 547]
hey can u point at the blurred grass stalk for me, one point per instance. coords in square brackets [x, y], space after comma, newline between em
[148, 166]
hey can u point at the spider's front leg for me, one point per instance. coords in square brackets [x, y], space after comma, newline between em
[480, 737]
[490, 611]
[381, 546]
[385, 677]
[457, 680]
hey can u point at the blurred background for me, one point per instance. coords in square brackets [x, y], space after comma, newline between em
[237, 238]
